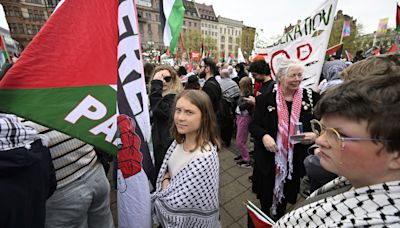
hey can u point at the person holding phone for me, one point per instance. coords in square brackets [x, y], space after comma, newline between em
[164, 87]
[278, 163]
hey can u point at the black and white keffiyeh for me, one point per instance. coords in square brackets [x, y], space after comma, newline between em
[14, 134]
[371, 206]
[191, 197]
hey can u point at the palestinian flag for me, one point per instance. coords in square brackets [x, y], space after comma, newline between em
[335, 51]
[257, 218]
[4, 58]
[171, 13]
[66, 78]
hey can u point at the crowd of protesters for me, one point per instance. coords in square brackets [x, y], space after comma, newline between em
[343, 138]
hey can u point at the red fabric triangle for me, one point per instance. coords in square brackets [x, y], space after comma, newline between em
[393, 48]
[256, 221]
[77, 46]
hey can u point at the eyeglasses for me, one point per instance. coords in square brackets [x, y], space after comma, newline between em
[201, 66]
[167, 78]
[334, 136]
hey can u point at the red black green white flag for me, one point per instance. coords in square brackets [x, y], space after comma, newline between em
[66, 78]
[83, 75]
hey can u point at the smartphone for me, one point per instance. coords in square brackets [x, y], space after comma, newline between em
[296, 138]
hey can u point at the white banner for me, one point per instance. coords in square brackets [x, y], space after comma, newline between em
[307, 42]
[134, 207]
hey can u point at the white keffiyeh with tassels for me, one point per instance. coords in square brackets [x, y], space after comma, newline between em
[286, 127]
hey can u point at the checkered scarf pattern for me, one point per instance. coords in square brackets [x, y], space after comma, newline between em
[370, 206]
[286, 127]
[14, 134]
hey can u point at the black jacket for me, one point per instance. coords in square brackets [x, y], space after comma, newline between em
[213, 89]
[265, 121]
[27, 180]
[161, 109]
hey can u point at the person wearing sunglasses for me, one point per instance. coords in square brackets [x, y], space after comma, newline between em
[358, 137]
[278, 161]
[164, 87]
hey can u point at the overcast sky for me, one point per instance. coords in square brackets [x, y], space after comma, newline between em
[273, 16]
[3, 22]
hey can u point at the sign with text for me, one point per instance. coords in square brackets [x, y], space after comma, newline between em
[306, 41]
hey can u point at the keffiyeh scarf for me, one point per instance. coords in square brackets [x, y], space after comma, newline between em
[371, 206]
[284, 156]
[14, 134]
[191, 197]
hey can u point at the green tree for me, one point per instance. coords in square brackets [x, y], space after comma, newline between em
[349, 42]
[247, 41]
[192, 40]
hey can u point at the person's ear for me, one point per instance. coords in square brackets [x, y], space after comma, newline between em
[394, 160]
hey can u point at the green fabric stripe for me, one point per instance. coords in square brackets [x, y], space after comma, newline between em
[49, 107]
[175, 21]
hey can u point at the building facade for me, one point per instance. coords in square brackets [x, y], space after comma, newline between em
[230, 36]
[149, 24]
[191, 21]
[208, 27]
[26, 17]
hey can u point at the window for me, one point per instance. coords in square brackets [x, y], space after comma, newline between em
[41, 15]
[141, 28]
[34, 29]
[36, 15]
[20, 29]
[13, 28]
[230, 47]
[222, 39]
[29, 29]
[224, 30]
[220, 30]
[222, 46]
[30, 12]
[17, 12]
[149, 29]
[190, 24]
[230, 39]
[194, 24]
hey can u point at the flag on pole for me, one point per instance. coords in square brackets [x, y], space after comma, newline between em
[181, 41]
[398, 18]
[5, 58]
[62, 87]
[257, 218]
[349, 55]
[240, 56]
[382, 27]
[335, 51]
[172, 12]
[346, 29]
[393, 48]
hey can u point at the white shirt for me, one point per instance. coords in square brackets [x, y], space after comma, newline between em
[180, 158]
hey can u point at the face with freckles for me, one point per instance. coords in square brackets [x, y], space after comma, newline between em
[187, 117]
[362, 162]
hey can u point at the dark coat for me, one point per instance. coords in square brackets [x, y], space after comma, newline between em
[27, 180]
[265, 121]
[161, 109]
[213, 90]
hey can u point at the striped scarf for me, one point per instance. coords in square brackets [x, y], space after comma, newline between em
[14, 134]
[284, 156]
